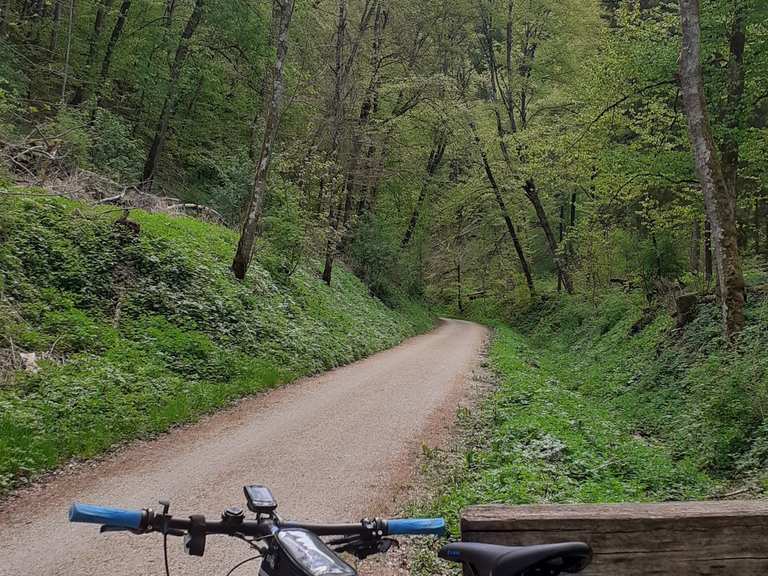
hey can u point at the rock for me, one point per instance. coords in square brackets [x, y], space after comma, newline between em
[29, 362]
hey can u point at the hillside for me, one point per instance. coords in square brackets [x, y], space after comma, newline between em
[613, 402]
[138, 325]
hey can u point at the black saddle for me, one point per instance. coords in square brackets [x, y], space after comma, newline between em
[542, 560]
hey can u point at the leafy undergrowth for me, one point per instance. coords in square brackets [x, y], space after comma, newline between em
[614, 403]
[538, 439]
[142, 329]
[706, 400]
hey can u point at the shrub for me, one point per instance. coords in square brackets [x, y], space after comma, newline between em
[114, 151]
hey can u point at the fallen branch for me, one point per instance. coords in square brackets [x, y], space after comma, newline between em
[113, 199]
[738, 492]
[198, 207]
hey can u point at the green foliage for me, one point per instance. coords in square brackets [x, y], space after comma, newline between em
[137, 333]
[380, 262]
[7, 109]
[686, 388]
[70, 129]
[226, 182]
[284, 231]
[114, 150]
[541, 437]
[612, 403]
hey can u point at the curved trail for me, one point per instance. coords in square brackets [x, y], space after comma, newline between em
[333, 447]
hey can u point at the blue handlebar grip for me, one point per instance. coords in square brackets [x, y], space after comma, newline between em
[106, 516]
[416, 526]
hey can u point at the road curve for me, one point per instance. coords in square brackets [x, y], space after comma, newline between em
[332, 447]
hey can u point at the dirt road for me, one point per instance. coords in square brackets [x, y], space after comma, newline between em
[338, 446]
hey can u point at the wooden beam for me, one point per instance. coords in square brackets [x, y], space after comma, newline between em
[679, 538]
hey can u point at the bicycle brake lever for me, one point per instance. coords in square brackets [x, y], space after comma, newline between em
[139, 532]
[363, 548]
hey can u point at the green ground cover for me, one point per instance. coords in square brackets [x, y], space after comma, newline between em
[139, 331]
[613, 403]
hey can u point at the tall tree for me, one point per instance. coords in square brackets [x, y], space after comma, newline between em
[345, 58]
[729, 147]
[362, 139]
[109, 52]
[433, 163]
[282, 11]
[719, 196]
[504, 210]
[98, 26]
[533, 30]
[55, 23]
[170, 8]
[169, 105]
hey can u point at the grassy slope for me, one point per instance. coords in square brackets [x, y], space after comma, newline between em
[594, 407]
[146, 331]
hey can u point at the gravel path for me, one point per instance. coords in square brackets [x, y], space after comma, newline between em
[339, 446]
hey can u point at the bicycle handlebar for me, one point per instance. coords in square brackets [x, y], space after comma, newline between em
[416, 526]
[105, 516]
[143, 520]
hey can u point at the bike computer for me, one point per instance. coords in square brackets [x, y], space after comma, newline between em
[260, 499]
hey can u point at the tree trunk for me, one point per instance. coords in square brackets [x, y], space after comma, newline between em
[282, 11]
[363, 139]
[106, 62]
[759, 215]
[718, 194]
[93, 43]
[337, 117]
[70, 23]
[342, 70]
[729, 148]
[55, 23]
[508, 101]
[533, 195]
[435, 158]
[169, 105]
[765, 216]
[570, 247]
[490, 57]
[36, 13]
[5, 9]
[117, 31]
[371, 182]
[561, 230]
[170, 7]
[459, 253]
[707, 252]
[331, 242]
[504, 211]
[694, 252]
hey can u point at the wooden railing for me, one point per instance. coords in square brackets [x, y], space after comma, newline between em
[725, 538]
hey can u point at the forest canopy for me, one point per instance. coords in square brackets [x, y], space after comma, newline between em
[477, 153]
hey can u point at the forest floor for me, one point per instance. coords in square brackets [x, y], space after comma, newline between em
[339, 446]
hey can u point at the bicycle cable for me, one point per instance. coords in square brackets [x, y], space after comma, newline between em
[165, 541]
[239, 564]
[165, 553]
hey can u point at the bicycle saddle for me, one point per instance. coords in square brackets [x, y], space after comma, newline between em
[495, 560]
